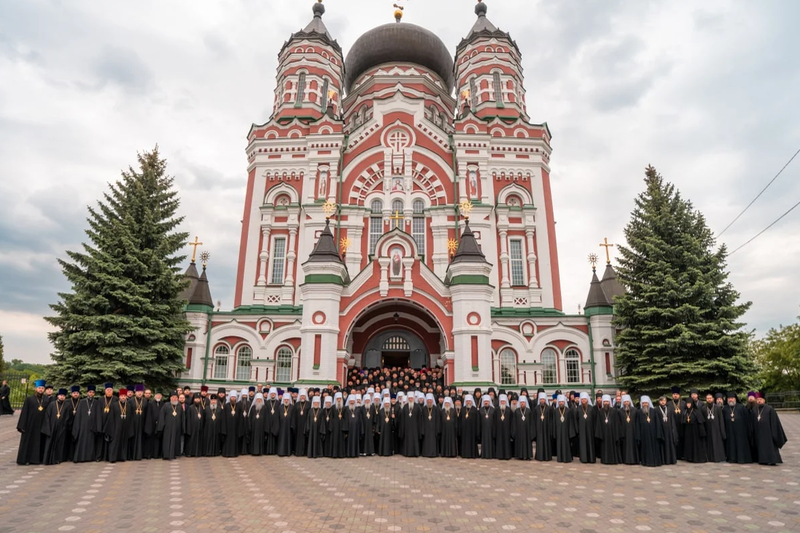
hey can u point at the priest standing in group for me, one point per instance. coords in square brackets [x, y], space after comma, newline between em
[715, 429]
[31, 418]
[503, 423]
[585, 416]
[769, 434]
[54, 428]
[83, 427]
[118, 428]
[649, 433]
[170, 427]
[543, 432]
[608, 431]
[300, 417]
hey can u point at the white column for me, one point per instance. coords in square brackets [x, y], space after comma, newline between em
[505, 283]
[264, 257]
[532, 281]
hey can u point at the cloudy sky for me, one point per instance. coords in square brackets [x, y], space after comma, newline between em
[705, 91]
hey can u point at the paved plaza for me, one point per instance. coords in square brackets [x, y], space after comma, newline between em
[378, 494]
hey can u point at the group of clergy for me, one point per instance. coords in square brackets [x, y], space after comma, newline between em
[135, 424]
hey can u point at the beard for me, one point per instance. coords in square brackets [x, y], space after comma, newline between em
[174, 402]
[259, 406]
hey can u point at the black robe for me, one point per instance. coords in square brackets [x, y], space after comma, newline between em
[273, 412]
[469, 428]
[232, 430]
[72, 411]
[54, 428]
[669, 429]
[170, 430]
[585, 427]
[368, 418]
[5, 401]
[375, 415]
[629, 447]
[523, 432]
[101, 445]
[397, 409]
[353, 427]
[431, 429]
[543, 432]
[768, 435]
[195, 424]
[694, 435]
[563, 428]
[335, 445]
[385, 428]
[738, 433]
[486, 432]
[152, 441]
[255, 429]
[448, 441]
[138, 416]
[284, 438]
[212, 431]
[649, 434]
[83, 425]
[609, 431]
[118, 430]
[315, 433]
[246, 406]
[300, 415]
[676, 410]
[503, 426]
[715, 432]
[410, 428]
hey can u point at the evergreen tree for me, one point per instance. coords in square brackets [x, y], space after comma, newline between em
[2, 361]
[122, 320]
[679, 319]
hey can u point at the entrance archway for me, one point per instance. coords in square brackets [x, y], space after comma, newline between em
[396, 332]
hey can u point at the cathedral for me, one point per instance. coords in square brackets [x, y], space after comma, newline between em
[399, 213]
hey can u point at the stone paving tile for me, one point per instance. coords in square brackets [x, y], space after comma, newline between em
[378, 495]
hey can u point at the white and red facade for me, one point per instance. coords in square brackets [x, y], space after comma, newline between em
[397, 153]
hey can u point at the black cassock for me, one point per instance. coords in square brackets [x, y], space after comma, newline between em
[397, 408]
[5, 401]
[83, 425]
[676, 409]
[118, 430]
[195, 424]
[448, 442]
[503, 423]
[54, 428]
[628, 443]
[315, 433]
[152, 442]
[232, 430]
[385, 428]
[100, 443]
[469, 429]
[543, 432]
[375, 415]
[486, 432]
[608, 431]
[300, 414]
[769, 435]
[170, 425]
[669, 429]
[523, 432]
[431, 429]
[256, 427]
[273, 411]
[694, 435]
[72, 412]
[715, 432]
[285, 430]
[367, 445]
[246, 407]
[353, 428]
[136, 444]
[212, 428]
[738, 433]
[335, 445]
[409, 429]
[649, 434]
[563, 429]
[585, 426]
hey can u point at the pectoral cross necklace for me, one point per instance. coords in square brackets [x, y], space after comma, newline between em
[40, 400]
[138, 405]
[107, 404]
[759, 410]
[562, 410]
[60, 407]
[74, 406]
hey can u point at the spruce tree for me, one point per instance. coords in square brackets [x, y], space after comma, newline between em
[679, 318]
[122, 321]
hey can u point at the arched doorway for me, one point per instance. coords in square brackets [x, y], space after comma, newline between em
[396, 332]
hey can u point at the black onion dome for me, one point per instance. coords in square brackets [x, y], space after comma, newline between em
[399, 43]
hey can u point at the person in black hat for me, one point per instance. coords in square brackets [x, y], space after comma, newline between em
[195, 426]
[694, 431]
[170, 426]
[151, 448]
[212, 443]
[715, 429]
[738, 430]
[677, 407]
[118, 428]
[769, 434]
[72, 410]
[54, 428]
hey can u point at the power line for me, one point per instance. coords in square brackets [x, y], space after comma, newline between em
[759, 194]
[765, 229]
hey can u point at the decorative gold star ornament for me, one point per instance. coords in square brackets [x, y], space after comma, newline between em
[329, 207]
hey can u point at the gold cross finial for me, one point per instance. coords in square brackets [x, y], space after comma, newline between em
[452, 246]
[328, 208]
[593, 259]
[195, 244]
[397, 217]
[605, 244]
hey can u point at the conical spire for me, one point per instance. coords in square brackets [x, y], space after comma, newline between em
[192, 276]
[202, 292]
[610, 284]
[468, 249]
[315, 29]
[596, 298]
[325, 251]
[483, 27]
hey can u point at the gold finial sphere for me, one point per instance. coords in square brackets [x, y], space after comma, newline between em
[328, 208]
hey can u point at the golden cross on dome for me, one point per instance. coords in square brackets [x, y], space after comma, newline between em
[605, 244]
[195, 244]
[398, 12]
[397, 217]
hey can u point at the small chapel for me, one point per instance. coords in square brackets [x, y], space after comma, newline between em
[399, 213]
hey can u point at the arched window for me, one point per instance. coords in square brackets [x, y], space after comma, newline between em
[418, 225]
[283, 370]
[375, 225]
[243, 358]
[508, 367]
[549, 369]
[396, 344]
[363, 113]
[301, 90]
[573, 366]
[397, 212]
[498, 90]
[221, 362]
[473, 93]
[323, 97]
